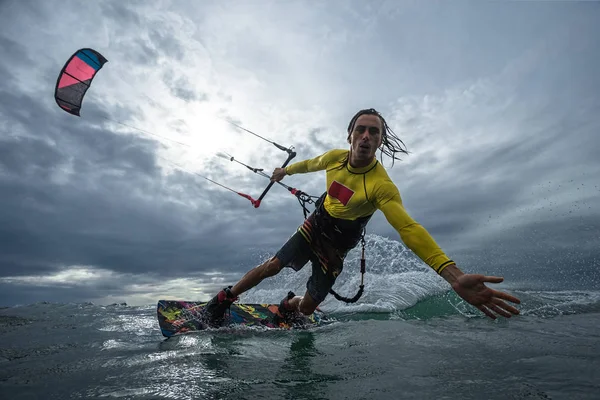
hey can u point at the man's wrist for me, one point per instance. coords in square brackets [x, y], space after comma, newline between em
[451, 273]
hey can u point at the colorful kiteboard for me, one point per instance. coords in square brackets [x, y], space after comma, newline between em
[177, 317]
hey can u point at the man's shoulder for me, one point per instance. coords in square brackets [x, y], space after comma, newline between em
[381, 172]
[337, 153]
[383, 183]
[333, 156]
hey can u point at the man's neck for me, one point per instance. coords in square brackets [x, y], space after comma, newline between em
[358, 163]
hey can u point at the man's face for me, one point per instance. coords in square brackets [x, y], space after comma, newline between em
[365, 139]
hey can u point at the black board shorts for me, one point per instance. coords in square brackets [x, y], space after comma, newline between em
[295, 253]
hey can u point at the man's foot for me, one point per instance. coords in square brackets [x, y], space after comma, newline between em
[287, 311]
[214, 310]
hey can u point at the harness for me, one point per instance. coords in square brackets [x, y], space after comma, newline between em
[332, 238]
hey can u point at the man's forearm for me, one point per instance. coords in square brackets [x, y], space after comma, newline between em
[451, 273]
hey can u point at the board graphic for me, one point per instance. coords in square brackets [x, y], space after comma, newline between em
[178, 317]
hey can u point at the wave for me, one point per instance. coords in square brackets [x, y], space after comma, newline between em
[534, 303]
[398, 285]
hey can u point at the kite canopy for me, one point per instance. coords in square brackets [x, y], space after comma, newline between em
[75, 79]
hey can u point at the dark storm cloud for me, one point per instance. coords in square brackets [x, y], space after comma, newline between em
[15, 57]
[501, 181]
[509, 207]
[557, 251]
[80, 194]
[14, 52]
[106, 221]
[16, 295]
[16, 154]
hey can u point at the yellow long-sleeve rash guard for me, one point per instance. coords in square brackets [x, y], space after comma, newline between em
[358, 192]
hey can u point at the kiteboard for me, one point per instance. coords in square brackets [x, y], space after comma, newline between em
[177, 317]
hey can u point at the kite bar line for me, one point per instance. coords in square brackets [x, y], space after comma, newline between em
[291, 155]
[290, 151]
[244, 195]
[302, 197]
[280, 147]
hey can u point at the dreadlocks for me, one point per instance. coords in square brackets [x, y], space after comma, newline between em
[390, 143]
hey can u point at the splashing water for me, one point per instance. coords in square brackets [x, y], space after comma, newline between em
[395, 279]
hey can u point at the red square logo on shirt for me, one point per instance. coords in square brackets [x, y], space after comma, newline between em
[340, 192]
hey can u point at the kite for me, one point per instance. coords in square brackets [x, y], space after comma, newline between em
[75, 79]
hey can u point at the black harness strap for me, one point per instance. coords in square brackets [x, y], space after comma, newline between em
[362, 276]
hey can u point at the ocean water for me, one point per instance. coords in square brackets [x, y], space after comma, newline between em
[409, 337]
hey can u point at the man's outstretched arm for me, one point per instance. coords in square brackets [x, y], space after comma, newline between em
[470, 287]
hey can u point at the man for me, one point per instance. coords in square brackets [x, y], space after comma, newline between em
[357, 186]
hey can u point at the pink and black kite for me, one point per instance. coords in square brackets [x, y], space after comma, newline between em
[75, 79]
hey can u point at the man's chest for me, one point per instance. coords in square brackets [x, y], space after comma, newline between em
[348, 189]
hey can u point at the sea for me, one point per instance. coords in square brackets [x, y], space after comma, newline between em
[408, 337]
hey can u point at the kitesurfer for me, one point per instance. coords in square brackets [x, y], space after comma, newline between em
[357, 186]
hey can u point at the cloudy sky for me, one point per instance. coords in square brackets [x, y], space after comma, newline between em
[497, 102]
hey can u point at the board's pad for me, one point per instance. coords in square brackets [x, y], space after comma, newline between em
[177, 317]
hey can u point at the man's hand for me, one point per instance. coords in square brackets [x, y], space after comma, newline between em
[471, 288]
[278, 174]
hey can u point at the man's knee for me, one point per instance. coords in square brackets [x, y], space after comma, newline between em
[271, 267]
[307, 305]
